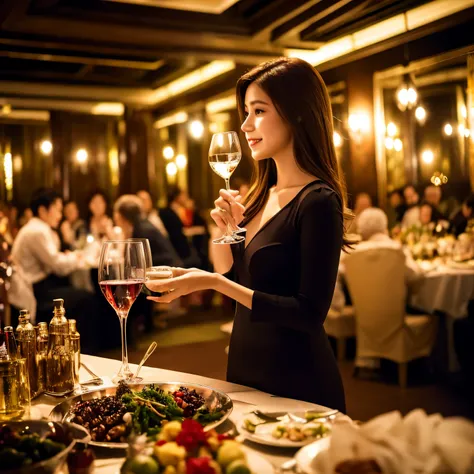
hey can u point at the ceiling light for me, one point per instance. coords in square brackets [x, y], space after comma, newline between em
[168, 152]
[108, 108]
[46, 147]
[219, 105]
[173, 119]
[406, 94]
[427, 156]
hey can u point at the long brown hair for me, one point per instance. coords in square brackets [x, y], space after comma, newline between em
[300, 96]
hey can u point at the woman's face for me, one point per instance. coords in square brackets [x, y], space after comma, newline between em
[71, 212]
[267, 134]
[97, 206]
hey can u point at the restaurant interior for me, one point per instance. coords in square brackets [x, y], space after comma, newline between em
[109, 106]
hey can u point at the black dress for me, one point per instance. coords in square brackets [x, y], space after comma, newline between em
[280, 346]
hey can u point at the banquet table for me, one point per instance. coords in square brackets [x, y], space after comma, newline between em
[244, 399]
[446, 289]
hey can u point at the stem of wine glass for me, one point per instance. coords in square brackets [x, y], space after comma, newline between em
[227, 183]
[125, 369]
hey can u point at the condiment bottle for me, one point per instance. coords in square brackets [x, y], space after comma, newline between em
[76, 348]
[59, 363]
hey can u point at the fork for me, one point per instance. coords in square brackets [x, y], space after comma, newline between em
[96, 380]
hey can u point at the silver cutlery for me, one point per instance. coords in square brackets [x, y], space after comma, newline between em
[148, 353]
[95, 378]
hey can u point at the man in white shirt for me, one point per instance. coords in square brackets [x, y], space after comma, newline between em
[36, 251]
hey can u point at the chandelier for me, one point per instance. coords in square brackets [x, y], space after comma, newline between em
[406, 94]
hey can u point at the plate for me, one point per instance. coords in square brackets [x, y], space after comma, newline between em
[306, 455]
[214, 400]
[263, 433]
[257, 463]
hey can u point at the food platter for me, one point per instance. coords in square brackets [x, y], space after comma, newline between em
[214, 400]
[305, 456]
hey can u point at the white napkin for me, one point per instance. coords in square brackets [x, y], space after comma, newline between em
[416, 444]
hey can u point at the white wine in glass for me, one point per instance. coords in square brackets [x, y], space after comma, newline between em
[224, 157]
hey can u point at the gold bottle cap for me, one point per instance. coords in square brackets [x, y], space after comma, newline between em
[24, 312]
[72, 325]
[43, 325]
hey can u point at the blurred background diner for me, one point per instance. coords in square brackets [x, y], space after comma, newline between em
[106, 114]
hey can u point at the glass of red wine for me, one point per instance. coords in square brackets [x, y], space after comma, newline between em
[122, 268]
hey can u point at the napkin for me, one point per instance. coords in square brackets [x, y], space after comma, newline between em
[416, 444]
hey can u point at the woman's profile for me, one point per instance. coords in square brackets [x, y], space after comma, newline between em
[283, 275]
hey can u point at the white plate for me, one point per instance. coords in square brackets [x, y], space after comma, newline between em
[263, 433]
[257, 463]
[306, 455]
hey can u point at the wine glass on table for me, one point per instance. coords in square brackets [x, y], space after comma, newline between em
[122, 270]
[224, 156]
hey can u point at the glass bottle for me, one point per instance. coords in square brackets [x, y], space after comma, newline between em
[14, 381]
[76, 348]
[42, 354]
[21, 322]
[59, 362]
[27, 351]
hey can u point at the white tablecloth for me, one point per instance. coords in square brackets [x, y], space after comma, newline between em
[244, 398]
[447, 290]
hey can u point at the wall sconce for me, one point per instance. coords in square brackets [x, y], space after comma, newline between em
[81, 156]
[392, 129]
[46, 147]
[181, 162]
[448, 129]
[171, 170]
[420, 115]
[397, 144]
[427, 156]
[196, 129]
[358, 124]
[168, 152]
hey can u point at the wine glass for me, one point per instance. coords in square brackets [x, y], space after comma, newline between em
[224, 156]
[121, 277]
[146, 250]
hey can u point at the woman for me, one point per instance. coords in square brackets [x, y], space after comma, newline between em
[99, 223]
[286, 269]
[72, 228]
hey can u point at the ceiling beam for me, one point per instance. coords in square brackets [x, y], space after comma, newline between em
[319, 11]
[93, 61]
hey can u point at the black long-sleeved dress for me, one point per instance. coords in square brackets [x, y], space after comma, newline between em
[280, 346]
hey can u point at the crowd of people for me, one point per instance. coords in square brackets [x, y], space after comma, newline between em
[49, 247]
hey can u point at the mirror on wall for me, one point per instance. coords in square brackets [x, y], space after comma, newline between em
[422, 125]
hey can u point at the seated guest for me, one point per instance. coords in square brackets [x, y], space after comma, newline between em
[173, 217]
[412, 213]
[362, 201]
[397, 208]
[459, 221]
[73, 228]
[150, 212]
[372, 226]
[433, 195]
[129, 216]
[36, 251]
[99, 224]
[429, 214]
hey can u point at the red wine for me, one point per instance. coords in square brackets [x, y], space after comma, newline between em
[121, 294]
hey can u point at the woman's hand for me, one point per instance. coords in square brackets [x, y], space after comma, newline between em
[228, 210]
[184, 281]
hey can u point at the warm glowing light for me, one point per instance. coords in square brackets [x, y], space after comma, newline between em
[108, 108]
[8, 170]
[168, 152]
[391, 129]
[196, 128]
[171, 169]
[463, 111]
[448, 129]
[81, 156]
[461, 129]
[420, 114]
[427, 156]
[389, 143]
[439, 178]
[218, 105]
[337, 139]
[17, 163]
[406, 96]
[213, 127]
[89, 238]
[46, 147]
[173, 119]
[467, 133]
[359, 122]
[397, 144]
[181, 162]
